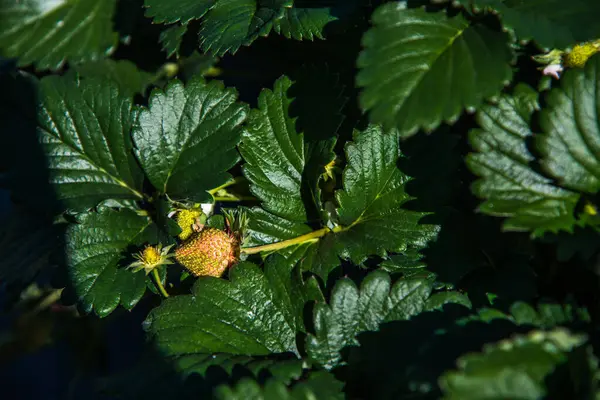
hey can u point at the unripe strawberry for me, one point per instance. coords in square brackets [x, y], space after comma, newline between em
[208, 252]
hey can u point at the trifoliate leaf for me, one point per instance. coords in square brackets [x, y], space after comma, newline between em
[186, 139]
[244, 315]
[283, 169]
[48, 33]
[317, 385]
[171, 38]
[352, 311]
[510, 186]
[570, 144]
[84, 127]
[419, 68]
[370, 208]
[127, 75]
[96, 252]
[516, 368]
[540, 21]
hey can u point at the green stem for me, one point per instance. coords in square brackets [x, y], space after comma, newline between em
[159, 284]
[287, 243]
[233, 198]
[232, 182]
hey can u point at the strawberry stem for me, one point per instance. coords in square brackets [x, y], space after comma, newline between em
[312, 236]
[226, 184]
[233, 198]
[159, 284]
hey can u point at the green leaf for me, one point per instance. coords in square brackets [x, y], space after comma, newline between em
[126, 74]
[419, 68]
[168, 374]
[318, 385]
[370, 204]
[186, 139]
[570, 144]
[283, 169]
[50, 33]
[171, 38]
[245, 315]
[371, 215]
[231, 24]
[548, 315]
[438, 300]
[289, 291]
[264, 228]
[307, 19]
[226, 24]
[95, 250]
[510, 187]
[551, 23]
[512, 369]
[171, 11]
[352, 311]
[84, 127]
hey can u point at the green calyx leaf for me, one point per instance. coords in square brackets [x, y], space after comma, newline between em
[419, 69]
[186, 139]
[96, 250]
[50, 33]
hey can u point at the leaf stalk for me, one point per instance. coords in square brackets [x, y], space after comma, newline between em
[309, 237]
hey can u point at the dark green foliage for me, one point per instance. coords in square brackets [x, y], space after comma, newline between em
[417, 202]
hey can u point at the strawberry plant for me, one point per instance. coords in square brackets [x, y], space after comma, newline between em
[304, 199]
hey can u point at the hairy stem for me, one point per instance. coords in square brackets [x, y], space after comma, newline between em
[233, 198]
[315, 235]
[159, 284]
[226, 185]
